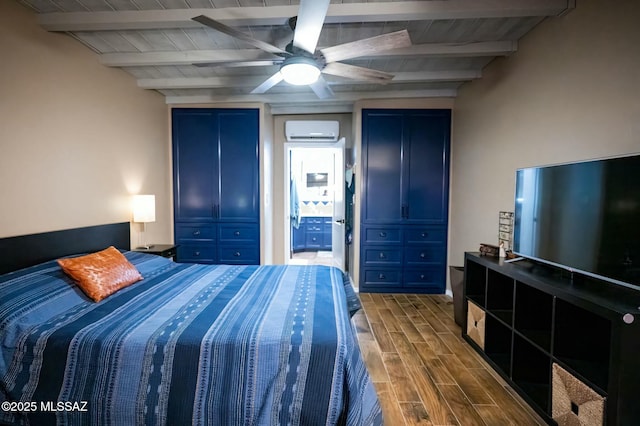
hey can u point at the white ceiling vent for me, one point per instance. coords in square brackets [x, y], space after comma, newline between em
[312, 131]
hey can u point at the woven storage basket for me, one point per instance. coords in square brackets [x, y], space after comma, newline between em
[573, 402]
[475, 323]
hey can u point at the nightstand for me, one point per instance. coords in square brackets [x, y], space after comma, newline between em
[164, 250]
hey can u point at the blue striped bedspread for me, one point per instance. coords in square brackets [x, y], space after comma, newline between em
[189, 344]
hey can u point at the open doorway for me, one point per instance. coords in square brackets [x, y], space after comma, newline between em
[314, 201]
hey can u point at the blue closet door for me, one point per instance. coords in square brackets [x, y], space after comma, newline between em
[403, 229]
[382, 136]
[239, 166]
[216, 185]
[195, 177]
[427, 167]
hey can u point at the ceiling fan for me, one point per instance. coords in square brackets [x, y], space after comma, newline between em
[301, 64]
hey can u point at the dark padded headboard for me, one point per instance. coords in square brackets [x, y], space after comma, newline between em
[27, 250]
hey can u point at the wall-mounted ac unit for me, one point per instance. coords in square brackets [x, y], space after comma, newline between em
[312, 131]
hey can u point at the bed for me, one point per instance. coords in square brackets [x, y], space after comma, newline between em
[188, 344]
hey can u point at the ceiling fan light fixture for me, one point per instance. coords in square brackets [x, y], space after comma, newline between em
[300, 70]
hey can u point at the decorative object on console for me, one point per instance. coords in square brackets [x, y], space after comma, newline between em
[502, 252]
[505, 230]
[489, 250]
[144, 211]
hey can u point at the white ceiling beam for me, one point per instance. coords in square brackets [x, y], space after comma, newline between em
[485, 48]
[226, 81]
[199, 82]
[443, 9]
[435, 76]
[303, 97]
[187, 57]
[311, 108]
[278, 15]
[163, 19]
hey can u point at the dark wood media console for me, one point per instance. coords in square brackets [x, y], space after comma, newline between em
[569, 344]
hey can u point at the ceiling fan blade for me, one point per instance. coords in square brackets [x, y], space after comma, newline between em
[268, 84]
[239, 64]
[309, 24]
[321, 88]
[367, 46]
[212, 23]
[357, 73]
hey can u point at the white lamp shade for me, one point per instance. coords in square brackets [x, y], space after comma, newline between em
[299, 71]
[144, 208]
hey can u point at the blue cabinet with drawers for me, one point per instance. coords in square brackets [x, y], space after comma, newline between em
[313, 234]
[404, 208]
[216, 185]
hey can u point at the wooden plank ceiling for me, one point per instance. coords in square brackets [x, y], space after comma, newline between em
[158, 43]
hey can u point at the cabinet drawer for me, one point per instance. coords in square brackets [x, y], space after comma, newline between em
[239, 233]
[195, 231]
[171, 253]
[196, 253]
[382, 235]
[382, 256]
[424, 234]
[425, 278]
[327, 239]
[312, 220]
[239, 255]
[382, 277]
[314, 239]
[424, 255]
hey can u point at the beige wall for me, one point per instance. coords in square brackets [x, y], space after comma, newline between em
[76, 138]
[571, 92]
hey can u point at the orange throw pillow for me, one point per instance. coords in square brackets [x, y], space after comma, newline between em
[102, 273]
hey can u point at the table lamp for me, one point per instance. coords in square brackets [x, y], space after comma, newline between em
[144, 211]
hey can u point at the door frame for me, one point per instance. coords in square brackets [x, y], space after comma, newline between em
[288, 146]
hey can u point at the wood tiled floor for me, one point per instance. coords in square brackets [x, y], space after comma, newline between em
[424, 373]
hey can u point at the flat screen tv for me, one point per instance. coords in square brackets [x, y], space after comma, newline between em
[584, 217]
